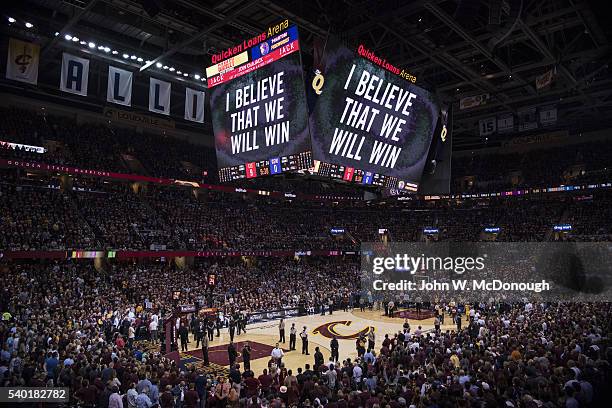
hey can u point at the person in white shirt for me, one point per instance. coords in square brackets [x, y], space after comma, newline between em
[281, 331]
[277, 354]
[332, 376]
[357, 373]
[131, 336]
[153, 330]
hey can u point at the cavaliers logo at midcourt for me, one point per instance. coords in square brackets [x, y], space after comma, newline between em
[329, 330]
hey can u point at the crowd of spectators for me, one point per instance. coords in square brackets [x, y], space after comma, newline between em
[112, 216]
[70, 324]
[102, 147]
[545, 166]
[82, 332]
[41, 219]
[112, 148]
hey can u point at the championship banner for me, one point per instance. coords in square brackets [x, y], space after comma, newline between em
[548, 115]
[473, 101]
[194, 105]
[75, 74]
[542, 81]
[22, 61]
[159, 96]
[505, 123]
[119, 88]
[487, 126]
[527, 119]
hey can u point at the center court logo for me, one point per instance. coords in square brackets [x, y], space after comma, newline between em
[329, 330]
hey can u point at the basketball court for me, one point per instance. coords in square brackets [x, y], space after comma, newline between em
[262, 337]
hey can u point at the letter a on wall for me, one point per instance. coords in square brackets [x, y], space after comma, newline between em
[75, 74]
[159, 96]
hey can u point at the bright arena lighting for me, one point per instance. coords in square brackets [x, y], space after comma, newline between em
[387, 216]
[29, 25]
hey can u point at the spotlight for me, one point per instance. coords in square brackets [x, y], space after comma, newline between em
[29, 25]
[196, 76]
[139, 59]
[185, 74]
[68, 37]
[11, 20]
[114, 52]
[92, 45]
[106, 49]
[172, 69]
[126, 56]
[148, 61]
[83, 43]
[75, 39]
[158, 65]
[179, 73]
[100, 47]
[165, 67]
[56, 33]
[133, 57]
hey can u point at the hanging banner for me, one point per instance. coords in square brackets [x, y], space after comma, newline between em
[22, 61]
[487, 126]
[548, 115]
[473, 101]
[159, 96]
[75, 74]
[505, 123]
[527, 119]
[119, 88]
[544, 80]
[194, 105]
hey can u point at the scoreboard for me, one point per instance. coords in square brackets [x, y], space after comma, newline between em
[370, 123]
[259, 110]
[268, 167]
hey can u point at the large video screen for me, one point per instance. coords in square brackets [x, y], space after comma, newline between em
[370, 124]
[259, 109]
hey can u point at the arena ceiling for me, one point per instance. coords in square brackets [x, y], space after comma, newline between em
[454, 48]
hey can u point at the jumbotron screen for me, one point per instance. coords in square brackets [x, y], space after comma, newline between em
[370, 123]
[259, 109]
